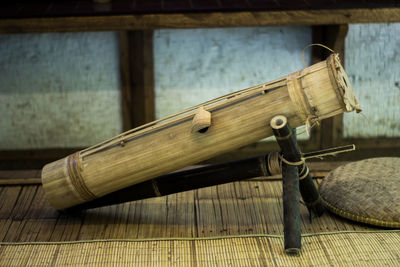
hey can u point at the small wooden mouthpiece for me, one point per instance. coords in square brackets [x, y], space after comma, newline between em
[278, 122]
[201, 121]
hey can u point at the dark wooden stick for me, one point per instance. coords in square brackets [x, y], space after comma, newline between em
[183, 181]
[287, 141]
[290, 177]
[291, 209]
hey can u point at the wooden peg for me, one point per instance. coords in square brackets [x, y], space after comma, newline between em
[201, 121]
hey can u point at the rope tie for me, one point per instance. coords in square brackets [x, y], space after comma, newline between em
[294, 163]
[274, 164]
[305, 174]
[275, 160]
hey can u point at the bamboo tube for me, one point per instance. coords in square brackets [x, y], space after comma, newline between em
[305, 97]
[183, 181]
[290, 184]
[266, 166]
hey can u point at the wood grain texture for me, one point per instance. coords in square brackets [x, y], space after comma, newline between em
[333, 36]
[159, 148]
[200, 20]
[137, 77]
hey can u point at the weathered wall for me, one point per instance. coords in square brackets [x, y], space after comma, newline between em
[192, 66]
[58, 90]
[373, 64]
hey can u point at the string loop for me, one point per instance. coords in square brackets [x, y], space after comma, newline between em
[275, 160]
[316, 44]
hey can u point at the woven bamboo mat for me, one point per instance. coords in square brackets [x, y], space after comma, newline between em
[238, 224]
[338, 249]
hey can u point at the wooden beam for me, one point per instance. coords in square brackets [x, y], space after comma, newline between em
[126, 86]
[333, 36]
[32, 158]
[137, 78]
[200, 20]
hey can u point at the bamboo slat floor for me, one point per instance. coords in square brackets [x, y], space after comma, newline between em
[248, 213]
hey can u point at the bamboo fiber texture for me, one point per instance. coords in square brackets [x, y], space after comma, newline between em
[365, 191]
[326, 249]
[305, 97]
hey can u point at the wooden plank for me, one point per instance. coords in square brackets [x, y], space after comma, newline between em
[32, 158]
[200, 20]
[20, 177]
[137, 78]
[20, 174]
[126, 79]
[17, 181]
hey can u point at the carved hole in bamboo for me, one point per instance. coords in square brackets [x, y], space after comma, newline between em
[203, 130]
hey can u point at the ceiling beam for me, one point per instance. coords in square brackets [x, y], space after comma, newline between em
[200, 20]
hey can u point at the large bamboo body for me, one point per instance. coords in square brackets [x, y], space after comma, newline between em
[317, 92]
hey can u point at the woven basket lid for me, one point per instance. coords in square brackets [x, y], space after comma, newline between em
[366, 191]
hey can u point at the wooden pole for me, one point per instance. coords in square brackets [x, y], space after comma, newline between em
[307, 187]
[290, 177]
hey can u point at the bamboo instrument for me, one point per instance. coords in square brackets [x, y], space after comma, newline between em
[268, 165]
[304, 97]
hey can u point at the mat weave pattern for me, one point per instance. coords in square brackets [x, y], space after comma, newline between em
[365, 191]
[326, 249]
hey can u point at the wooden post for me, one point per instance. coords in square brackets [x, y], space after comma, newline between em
[334, 37]
[137, 78]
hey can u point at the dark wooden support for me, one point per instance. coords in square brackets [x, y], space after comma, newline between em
[291, 151]
[137, 78]
[290, 181]
[185, 180]
[332, 36]
[291, 209]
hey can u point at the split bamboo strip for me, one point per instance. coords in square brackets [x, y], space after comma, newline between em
[305, 97]
[373, 248]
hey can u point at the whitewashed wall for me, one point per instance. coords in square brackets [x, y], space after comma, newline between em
[58, 90]
[62, 89]
[193, 66]
[373, 64]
